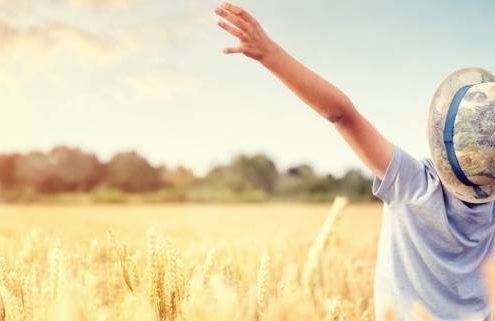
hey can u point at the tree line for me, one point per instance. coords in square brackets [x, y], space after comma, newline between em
[128, 175]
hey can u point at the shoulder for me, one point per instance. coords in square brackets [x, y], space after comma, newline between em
[407, 179]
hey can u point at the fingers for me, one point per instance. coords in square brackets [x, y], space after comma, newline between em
[232, 30]
[240, 19]
[238, 22]
[239, 12]
[232, 50]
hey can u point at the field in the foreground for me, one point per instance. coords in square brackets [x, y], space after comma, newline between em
[186, 262]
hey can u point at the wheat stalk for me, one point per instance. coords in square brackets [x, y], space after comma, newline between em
[170, 283]
[261, 283]
[155, 275]
[123, 265]
[208, 266]
[316, 250]
[2, 309]
[54, 273]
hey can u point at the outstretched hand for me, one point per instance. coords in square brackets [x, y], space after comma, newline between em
[254, 42]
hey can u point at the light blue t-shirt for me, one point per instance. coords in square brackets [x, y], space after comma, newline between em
[431, 245]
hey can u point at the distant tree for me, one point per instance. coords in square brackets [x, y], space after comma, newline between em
[224, 177]
[302, 171]
[178, 177]
[323, 185]
[34, 171]
[7, 167]
[245, 173]
[259, 171]
[300, 180]
[130, 172]
[65, 169]
[75, 170]
[355, 185]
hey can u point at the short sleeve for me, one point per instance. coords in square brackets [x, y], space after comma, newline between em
[404, 179]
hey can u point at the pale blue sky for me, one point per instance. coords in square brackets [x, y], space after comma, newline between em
[150, 75]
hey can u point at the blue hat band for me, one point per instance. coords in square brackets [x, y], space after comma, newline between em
[448, 136]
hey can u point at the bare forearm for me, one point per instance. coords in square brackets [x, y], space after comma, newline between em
[315, 91]
[318, 93]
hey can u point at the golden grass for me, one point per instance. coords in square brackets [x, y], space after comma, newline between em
[187, 262]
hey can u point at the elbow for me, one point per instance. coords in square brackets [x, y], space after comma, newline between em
[335, 117]
[341, 116]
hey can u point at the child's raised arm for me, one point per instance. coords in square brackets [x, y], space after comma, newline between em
[371, 147]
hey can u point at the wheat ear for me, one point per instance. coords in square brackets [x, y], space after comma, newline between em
[261, 283]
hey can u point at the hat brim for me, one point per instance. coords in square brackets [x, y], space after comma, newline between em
[436, 121]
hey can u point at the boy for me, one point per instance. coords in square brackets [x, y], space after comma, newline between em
[438, 224]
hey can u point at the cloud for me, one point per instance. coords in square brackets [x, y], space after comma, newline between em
[17, 6]
[54, 36]
[97, 5]
[54, 52]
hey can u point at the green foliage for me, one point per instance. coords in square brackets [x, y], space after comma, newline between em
[299, 180]
[245, 174]
[355, 186]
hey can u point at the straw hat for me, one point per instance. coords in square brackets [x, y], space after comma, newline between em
[461, 134]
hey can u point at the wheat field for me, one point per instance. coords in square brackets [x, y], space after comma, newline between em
[188, 262]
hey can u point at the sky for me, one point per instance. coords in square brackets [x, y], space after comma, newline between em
[150, 75]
